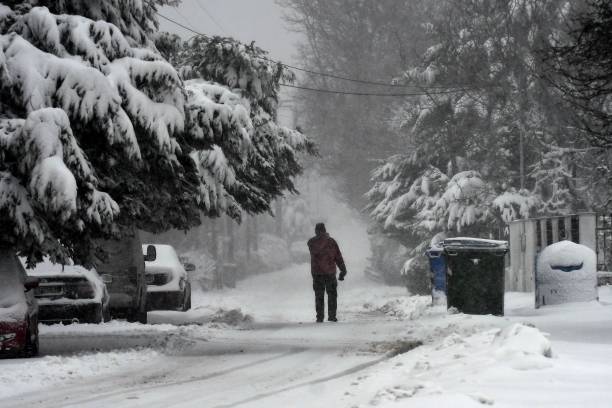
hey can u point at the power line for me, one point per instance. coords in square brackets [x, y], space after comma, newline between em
[360, 81]
[185, 19]
[177, 23]
[455, 88]
[214, 20]
[338, 92]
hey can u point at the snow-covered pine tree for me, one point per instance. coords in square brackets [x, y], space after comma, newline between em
[489, 96]
[82, 111]
[136, 19]
[271, 163]
[122, 141]
[580, 67]
[85, 110]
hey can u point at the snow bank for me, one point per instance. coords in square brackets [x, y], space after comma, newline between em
[403, 308]
[201, 316]
[25, 376]
[522, 347]
[566, 272]
[118, 335]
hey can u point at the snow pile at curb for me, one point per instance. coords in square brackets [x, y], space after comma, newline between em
[522, 347]
[404, 308]
[18, 376]
[201, 316]
[118, 335]
[114, 327]
[428, 375]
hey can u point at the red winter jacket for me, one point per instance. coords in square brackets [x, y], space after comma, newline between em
[325, 255]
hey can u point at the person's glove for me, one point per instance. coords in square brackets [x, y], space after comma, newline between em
[342, 275]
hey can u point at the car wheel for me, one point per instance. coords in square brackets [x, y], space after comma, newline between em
[106, 314]
[142, 316]
[187, 298]
[98, 317]
[32, 346]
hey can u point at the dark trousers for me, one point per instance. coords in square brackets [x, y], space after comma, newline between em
[322, 284]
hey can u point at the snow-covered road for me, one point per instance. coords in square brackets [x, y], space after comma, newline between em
[215, 365]
[283, 359]
[257, 346]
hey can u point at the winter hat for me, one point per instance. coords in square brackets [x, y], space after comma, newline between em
[320, 228]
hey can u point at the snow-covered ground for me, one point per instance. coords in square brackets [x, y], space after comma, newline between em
[257, 346]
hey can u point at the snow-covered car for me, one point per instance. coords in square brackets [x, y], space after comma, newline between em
[168, 286]
[70, 294]
[18, 308]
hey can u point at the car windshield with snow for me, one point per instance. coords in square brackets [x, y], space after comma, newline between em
[70, 294]
[168, 286]
[18, 308]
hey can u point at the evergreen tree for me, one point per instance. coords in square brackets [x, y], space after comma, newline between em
[364, 40]
[269, 168]
[488, 113]
[581, 66]
[99, 133]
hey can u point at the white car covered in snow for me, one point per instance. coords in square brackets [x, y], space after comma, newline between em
[168, 286]
[70, 293]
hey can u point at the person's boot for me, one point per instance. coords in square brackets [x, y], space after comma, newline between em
[332, 319]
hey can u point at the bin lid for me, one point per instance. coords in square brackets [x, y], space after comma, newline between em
[434, 251]
[477, 244]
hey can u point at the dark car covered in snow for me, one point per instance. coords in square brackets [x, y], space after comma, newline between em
[70, 294]
[18, 308]
[168, 286]
[123, 271]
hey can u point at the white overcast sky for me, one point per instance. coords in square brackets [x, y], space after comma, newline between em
[246, 20]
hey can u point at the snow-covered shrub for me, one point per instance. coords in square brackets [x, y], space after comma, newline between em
[417, 276]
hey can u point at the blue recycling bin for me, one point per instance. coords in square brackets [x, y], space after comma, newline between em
[437, 265]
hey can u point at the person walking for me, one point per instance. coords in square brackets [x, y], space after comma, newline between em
[324, 257]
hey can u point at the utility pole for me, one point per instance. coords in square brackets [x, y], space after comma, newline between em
[522, 156]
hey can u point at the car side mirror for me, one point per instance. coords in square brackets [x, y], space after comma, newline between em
[151, 253]
[31, 283]
[189, 267]
[107, 278]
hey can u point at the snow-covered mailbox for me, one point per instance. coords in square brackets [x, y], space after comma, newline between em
[475, 275]
[566, 272]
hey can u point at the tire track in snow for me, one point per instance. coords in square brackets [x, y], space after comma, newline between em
[319, 380]
[62, 401]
